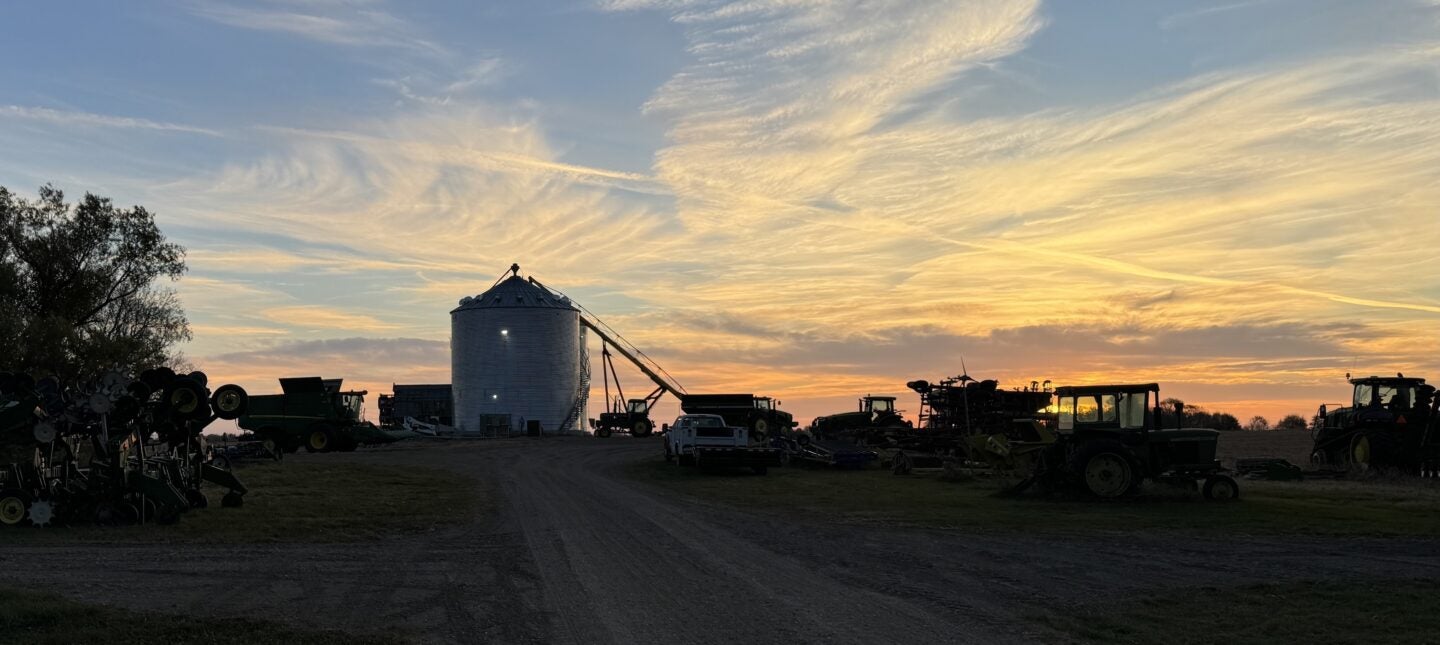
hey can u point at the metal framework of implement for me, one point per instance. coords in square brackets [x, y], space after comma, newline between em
[111, 450]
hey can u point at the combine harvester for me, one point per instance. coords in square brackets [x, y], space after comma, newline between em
[315, 414]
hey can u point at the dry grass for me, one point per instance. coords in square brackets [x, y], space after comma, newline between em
[876, 496]
[1402, 611]
[304, 502]
[43, 619]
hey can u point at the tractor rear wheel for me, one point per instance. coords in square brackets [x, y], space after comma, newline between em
[1107, 469]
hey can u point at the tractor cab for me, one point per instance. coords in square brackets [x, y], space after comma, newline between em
[877, 405]
[1106, 408]
[1123, 421]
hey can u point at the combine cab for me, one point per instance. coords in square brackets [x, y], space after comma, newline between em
[1391, 423]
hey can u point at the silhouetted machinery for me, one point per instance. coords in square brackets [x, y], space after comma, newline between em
[1391, 423]
[111, 449]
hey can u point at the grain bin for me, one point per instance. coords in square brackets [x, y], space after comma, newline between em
[518, 361]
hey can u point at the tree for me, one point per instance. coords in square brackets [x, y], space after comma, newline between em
[1291, 422]
[79, 288]
[1258, 423]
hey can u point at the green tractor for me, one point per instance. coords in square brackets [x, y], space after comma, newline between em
[1391, 424]
[314, 414]
[1106, 442]
[873, 412]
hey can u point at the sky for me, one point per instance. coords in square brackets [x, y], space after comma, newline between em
[809, 199]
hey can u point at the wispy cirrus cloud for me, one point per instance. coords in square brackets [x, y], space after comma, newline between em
[90, 119]
[323, 317]
[362, 23]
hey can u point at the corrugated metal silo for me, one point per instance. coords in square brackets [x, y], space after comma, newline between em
[518, 357]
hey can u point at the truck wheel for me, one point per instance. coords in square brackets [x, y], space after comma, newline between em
[669, 456]
[1220, 488]
[1106, 469]
[686, 460]
[602, 432]
[641, 428]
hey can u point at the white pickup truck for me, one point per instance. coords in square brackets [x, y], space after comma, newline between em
[705, 441]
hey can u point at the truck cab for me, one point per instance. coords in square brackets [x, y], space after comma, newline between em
[705, 440]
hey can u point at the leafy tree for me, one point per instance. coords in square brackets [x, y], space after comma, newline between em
[1258, 423]
[1291, 422]
[79, 286]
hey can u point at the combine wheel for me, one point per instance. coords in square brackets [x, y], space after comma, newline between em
[13, 507]
[1221, 488]
[319, 440]
[603, 432]
[641, 428]
[196, 498]
[1107, 470]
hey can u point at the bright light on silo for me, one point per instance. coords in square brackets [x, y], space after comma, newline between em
[494, 396]
[504, 332]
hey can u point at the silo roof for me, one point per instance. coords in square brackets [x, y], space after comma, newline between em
[515, 292]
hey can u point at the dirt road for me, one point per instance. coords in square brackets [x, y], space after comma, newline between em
[578, 554]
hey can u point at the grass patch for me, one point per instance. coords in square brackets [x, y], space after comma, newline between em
[303, 502]
[876, 496]
[1403, 611]
[41, 619]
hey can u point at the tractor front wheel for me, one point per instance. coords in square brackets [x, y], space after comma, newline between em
[641, 428]
[1220, 488]
[1107, 470]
